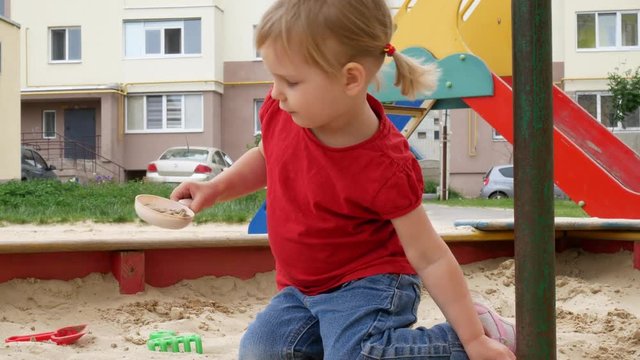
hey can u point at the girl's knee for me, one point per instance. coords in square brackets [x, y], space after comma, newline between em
[253, 346]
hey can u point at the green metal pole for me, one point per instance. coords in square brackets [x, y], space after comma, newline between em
[533, 155]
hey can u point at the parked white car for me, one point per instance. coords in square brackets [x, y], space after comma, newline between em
[182, 163]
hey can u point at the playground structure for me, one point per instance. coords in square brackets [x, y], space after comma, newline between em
[469, 37]
[476, 73]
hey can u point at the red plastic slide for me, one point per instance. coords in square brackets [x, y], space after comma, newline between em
[590, 163]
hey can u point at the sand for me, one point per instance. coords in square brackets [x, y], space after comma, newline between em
[598, 306]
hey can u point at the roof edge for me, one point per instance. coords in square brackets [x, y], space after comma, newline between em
[9, 21]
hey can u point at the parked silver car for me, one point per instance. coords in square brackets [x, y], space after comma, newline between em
[498, 184]
[182, 163]
[34, 166]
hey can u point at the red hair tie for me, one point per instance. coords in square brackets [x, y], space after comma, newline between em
[389, 49]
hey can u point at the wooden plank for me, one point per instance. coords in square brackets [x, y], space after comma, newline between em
[128, 268]
[561, 223]
[604, 235]
[106, 243]
[417, 115]
[99, 243]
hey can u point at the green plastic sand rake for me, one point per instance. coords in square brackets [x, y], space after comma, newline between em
[170, 341]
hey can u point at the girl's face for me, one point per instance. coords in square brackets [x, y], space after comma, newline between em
[314, 98]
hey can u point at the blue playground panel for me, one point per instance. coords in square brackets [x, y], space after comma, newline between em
[258, 224]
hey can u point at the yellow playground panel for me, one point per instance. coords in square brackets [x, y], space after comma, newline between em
[445, 27]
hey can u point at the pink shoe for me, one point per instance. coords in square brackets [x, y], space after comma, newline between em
[496, 327]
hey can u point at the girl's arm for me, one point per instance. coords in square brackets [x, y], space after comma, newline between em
[245, 176]
[442, 277]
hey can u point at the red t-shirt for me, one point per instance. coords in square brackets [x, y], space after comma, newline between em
[329, 209]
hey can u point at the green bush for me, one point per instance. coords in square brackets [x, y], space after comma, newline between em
[430, 186]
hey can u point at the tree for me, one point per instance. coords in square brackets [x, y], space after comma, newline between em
[625, 90]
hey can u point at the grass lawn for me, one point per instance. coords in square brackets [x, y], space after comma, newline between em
[50, 202]
[563, 208]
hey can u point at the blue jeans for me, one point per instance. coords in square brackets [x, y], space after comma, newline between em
[363, 319]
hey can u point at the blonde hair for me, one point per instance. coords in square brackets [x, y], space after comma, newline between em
[334, 32]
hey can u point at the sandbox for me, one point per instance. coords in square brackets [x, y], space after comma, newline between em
[127, 281]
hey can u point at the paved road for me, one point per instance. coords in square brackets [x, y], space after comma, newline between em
[443, 216]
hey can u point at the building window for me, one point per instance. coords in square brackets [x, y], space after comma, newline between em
[65, 44]
[49, 124]
[1, 7]
[164, 113]
[612, 30]
[436, 134]
[168, 38]
[600, 106]
[255, 33]
[257, 104]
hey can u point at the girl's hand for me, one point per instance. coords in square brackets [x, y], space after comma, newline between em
[484, 348]
[203, 194]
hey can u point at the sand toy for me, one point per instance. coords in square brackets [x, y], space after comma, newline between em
[170, 341]
[63, 336]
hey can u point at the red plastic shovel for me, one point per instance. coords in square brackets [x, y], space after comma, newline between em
[63, 336]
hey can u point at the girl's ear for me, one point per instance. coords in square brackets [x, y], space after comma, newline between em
[354, 77]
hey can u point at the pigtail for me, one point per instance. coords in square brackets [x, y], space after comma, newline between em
[414, 78]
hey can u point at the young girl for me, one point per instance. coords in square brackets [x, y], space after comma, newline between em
[351, 240]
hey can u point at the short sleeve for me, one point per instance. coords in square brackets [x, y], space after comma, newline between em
[267, 108]
[401, 193]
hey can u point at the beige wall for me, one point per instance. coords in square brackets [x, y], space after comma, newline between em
[103, 60]
[100, 59]
[9, 100]
[473, 151]
[557, 24]
[240, 17]
[252, 82]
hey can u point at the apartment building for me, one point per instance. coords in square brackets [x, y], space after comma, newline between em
[9, 98]
[125, 79]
